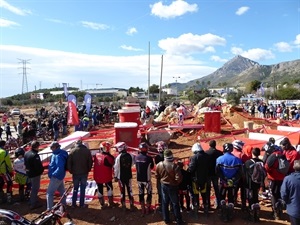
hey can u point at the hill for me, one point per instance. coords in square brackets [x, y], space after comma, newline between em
[240, 70]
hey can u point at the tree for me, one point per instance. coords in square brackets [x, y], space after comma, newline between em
[288, 93]
[135, 89]
[252, 86]
[154, 88]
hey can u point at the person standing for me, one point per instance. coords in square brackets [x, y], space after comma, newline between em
[213, 179]
[275, 177]
[239, 153]
[253, 182]
[6, 174]
[21, 177]
[34, 171]
[198, 168]
[56, 173]
[144, 164]
[103, 173]
[123, 173]
[290, 193]
[169, 175]
[161, 147]
[229, 170]
[80, 163]
[290, 153]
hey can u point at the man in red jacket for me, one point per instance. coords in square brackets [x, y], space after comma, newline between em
[275, 178]
[103, 173]
[290, 153]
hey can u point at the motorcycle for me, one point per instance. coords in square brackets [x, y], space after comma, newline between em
[48, 217]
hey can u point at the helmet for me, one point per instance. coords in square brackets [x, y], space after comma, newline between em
[121, 146]
[238, 144]
[269, 147]
[19, 151]
[161, 146]
[227, 147]
[143, 147]
[272, 140]
[196, 148]
[105, 146]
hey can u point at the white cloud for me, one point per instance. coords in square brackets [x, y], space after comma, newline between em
[189, 43]
[283, 47]
[58, 21]
[177, 8]
[131, 31]
[7, 23]
[52, 68]
[217, 59]
[13, 9]
[242, 10]
[130, 48]
[297, 41]
[256, 54]
[94, 26]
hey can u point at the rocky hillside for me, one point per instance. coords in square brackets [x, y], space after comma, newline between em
[239, 71]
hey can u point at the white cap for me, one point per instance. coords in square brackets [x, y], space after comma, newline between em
[196, 148]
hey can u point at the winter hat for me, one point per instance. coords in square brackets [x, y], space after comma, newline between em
[168, 155]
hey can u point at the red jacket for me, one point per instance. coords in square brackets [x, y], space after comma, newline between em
[272, 167]
[103, 167]
[291, 155]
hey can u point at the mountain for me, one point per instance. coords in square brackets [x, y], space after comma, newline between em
[239, 71]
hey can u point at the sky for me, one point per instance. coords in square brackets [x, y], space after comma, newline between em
[132, 43]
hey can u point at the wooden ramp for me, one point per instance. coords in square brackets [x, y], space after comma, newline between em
[186, 126]
[66, 143]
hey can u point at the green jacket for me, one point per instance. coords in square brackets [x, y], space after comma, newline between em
[5, 162]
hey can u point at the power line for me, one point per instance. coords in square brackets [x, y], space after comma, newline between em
[24, 73]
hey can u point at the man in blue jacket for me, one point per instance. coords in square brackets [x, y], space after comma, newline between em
[290, 193]
[229, 170]
[56, 173]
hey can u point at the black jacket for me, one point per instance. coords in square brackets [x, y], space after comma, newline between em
[198, 167]
[33, 164]
[213, 154]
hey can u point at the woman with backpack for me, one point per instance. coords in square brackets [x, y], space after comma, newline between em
[277, 167]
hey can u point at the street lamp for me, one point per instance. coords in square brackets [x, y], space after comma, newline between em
[176, 78]
[97, 85]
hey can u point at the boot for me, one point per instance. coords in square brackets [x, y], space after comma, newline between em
[21, 195]
[123, 205]
[9, 198]
[206, 210]
[148, 208]
[223, 210]
[255, 208]
[111, 202]
[2, 198]
[131, 204]
[142, 208]
[27, 195]
[230, 211]
[102, 202]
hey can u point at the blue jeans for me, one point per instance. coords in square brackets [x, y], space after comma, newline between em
[170, 194]
[35, 187]
[79, 181]
[56, 134]
[55, 184]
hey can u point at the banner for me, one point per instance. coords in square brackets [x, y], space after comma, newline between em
[65, 89]
[72, 111]
[72, 98]
[88, 103]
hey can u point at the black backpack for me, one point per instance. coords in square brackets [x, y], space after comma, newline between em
[259, 173]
